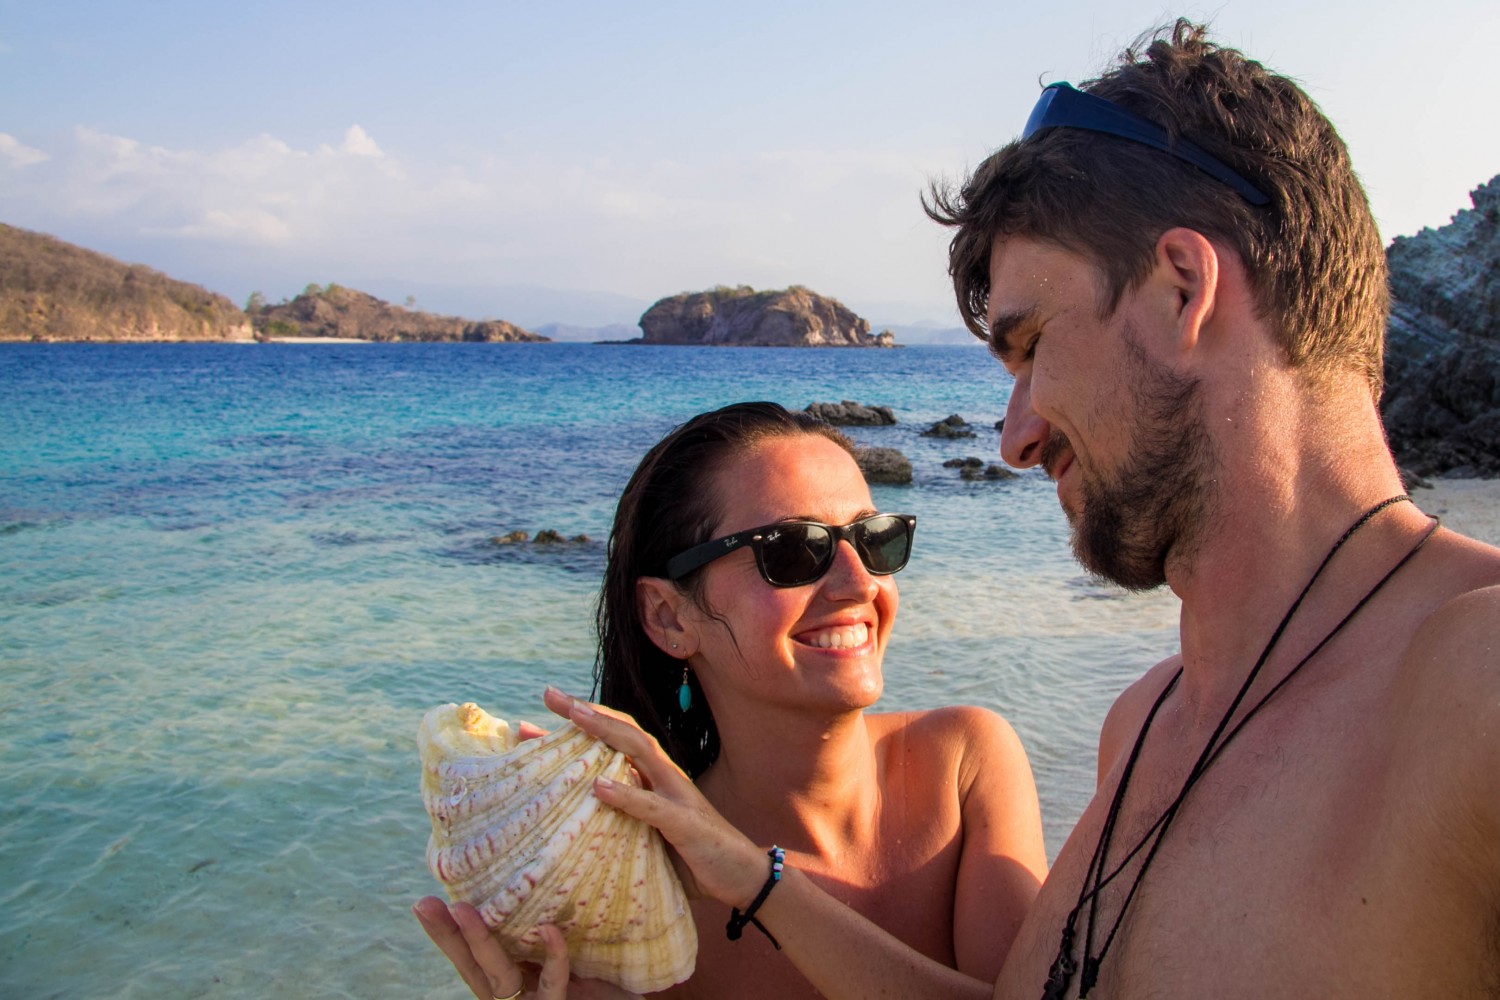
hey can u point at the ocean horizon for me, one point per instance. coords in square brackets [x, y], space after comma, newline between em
[234, 576]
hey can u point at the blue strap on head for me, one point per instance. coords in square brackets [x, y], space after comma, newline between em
[1062, 106]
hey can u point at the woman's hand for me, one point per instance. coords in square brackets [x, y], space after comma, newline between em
[715, 860]
[460, 933]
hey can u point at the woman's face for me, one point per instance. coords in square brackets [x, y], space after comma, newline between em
[817, 645]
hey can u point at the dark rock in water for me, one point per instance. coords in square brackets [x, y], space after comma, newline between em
[977, 468]
[852, 414]
[1000, 425]
[549, 547]
[1442, 362]
[953, 426]
[883, 465]
[547, 536]
[988, 472]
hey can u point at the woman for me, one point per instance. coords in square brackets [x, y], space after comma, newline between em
[745, 612]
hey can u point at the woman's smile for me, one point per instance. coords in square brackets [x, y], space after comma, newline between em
[856, 636]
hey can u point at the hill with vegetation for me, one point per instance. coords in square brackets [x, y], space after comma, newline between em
[332, 311]
[743, 317]
[51, 290]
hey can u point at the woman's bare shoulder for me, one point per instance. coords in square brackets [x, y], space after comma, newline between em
[951, 721]
[970, 738]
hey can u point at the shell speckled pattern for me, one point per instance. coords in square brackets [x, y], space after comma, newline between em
[518, 832]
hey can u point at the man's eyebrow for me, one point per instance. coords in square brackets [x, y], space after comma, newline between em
[1002, 328]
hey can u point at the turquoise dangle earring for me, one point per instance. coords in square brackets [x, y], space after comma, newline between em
[684, 693]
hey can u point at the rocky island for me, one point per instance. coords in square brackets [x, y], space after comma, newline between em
[332, 312]
[51, 290]
[743, 317]
[1442, 350]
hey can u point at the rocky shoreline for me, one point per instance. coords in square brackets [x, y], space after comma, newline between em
[1442, 401]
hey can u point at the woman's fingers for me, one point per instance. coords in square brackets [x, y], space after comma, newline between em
[529, 730]
[620, 731]
[553, 983]
[461, 935]
[720, 861]
[432, 913]
[502, 976]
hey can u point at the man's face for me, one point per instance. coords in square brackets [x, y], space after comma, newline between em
[1120, 433]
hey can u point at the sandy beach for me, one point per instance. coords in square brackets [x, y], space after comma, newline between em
[315, 340]
[1468, 506]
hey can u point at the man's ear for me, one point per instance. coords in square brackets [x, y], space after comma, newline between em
[1188, 264]
[663, 610]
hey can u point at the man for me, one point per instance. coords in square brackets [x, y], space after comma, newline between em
[1180, 269]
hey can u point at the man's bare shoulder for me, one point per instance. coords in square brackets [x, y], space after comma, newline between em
[1447, 704]
[1459, 640]
[1126, 716]
[1452, 665]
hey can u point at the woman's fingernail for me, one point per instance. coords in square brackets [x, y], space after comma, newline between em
[603, 783]
[418, 914]
[549, 689]
[581, 708]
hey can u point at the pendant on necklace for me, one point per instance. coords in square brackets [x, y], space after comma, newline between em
[1090, 976]
[1057, 981]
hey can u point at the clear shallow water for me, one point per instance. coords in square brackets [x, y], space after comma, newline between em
[232, 577]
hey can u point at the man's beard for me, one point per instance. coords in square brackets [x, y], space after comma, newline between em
[1161, 497]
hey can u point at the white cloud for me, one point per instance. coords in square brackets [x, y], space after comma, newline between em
[17, 154]
[250, 225]
[357, 142]
[847, 224]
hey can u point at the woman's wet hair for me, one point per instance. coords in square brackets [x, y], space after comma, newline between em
[669, 505]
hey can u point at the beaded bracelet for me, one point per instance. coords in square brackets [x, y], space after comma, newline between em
[738, 920]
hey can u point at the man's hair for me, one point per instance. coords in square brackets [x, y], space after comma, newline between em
[1314, 256]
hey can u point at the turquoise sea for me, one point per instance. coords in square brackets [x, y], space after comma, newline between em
[232, 578]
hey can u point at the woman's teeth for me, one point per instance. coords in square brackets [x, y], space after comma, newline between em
[840, 638]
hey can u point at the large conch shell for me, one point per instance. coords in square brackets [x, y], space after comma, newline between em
[518, 832]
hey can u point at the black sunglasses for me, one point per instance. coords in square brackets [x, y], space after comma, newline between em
[1061, 106]
[794, 553]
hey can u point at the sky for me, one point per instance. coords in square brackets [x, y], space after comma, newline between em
[575, 161]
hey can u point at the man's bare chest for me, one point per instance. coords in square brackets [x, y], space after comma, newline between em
[1304, 862]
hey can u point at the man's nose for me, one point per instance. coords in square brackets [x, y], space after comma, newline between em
[1025, 432]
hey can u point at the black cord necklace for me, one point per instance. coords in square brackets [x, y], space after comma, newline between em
[1060, 975]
